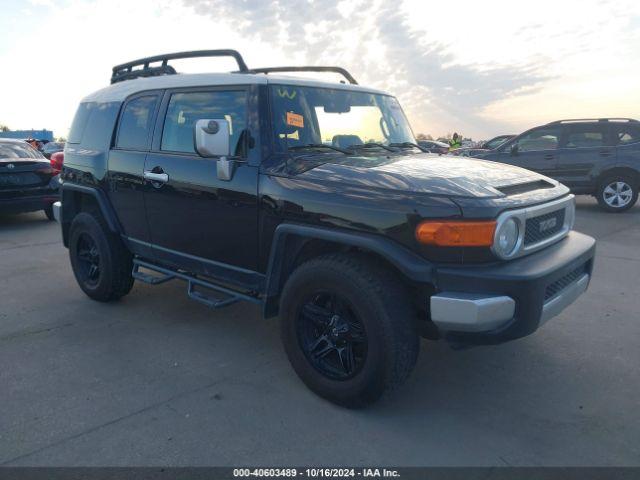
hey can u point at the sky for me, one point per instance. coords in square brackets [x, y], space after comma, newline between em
[480, 68]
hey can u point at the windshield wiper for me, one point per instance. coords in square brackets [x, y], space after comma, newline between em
[407, 145]
[371, 145]
[319, 146]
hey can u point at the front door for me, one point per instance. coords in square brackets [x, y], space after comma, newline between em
[534, 150]
[194, 217]
[126, 166]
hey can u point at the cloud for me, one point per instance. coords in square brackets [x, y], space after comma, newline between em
[375, 41]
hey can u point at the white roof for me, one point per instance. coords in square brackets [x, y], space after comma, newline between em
[121, 90]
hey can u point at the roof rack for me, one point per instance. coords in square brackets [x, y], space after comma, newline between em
[339, 70]
[126, 71]
[576, 120]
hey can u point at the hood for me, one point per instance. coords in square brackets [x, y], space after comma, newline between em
[426, 173]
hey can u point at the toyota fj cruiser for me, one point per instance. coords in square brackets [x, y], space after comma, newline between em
[312, 200]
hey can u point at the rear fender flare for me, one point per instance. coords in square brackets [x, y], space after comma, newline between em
[69, 208]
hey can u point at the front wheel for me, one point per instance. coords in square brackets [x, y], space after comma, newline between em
[348, 329]
[617, 193]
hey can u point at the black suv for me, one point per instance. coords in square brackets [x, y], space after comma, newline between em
[598, 157]
[312, 200]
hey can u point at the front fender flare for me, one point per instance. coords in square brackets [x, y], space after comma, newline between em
[410, 264]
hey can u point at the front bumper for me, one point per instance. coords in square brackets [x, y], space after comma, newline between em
[504, 301]
[57, 211]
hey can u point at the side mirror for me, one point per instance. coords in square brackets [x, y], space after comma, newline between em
[514, 149]
[211, 139]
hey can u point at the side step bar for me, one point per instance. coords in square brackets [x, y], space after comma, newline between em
[165, 274]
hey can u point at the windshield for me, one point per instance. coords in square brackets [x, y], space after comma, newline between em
[496, 142]
[17, 150]
[333, 117]
[51, 147]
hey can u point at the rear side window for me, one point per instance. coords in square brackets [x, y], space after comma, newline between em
[585, 135]
[93, 124]
[80, 122]
[626, 134]
[135, 123]
[185, 108]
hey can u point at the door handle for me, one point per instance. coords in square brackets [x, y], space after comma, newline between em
[548, 156]
[156, 177]
[605, 153]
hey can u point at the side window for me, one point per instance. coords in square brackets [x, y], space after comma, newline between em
[135, 123]
[185, 109]
[545, 138]
[626, 134]
[93, 124]
[585, 135]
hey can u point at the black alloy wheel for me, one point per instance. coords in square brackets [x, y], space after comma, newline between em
[88, 259]
[331, 336]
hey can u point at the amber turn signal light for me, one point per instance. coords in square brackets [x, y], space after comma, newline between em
[456, 233]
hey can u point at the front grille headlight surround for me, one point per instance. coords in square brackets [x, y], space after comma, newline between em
[506, 237]
[520, 217]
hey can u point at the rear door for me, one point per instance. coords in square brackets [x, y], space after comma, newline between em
[126, 165]
[584, 148]
[534, 150]
[194, 217]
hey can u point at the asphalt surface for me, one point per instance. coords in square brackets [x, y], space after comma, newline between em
[157, 379]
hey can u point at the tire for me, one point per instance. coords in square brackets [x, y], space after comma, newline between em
[48, 211]
[617, 193]
[100, 262]
[348, 300]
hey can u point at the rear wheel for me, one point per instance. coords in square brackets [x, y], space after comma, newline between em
[101, 263]
[617, 193]
[348, 330]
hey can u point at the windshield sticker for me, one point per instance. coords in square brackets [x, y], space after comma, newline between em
[284, 93]
[295, 120]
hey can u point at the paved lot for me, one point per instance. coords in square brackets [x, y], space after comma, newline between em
[157, 379]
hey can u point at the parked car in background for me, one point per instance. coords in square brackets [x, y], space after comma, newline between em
[51, 148]
[433, 146]
[495, 142]
[599, 157]
[28, 181]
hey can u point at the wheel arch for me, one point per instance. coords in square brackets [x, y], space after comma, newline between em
[619, 170]
[79, 198]
[295, 244]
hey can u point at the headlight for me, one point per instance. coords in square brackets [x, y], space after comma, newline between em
[506, 238]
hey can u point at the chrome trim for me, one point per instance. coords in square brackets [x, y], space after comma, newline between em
[521, 215]
[468, 312]
[566, 297]
[156, 177]
[57, 211]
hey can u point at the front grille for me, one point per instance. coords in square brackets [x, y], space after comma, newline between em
[556, 287]
[544, 226]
